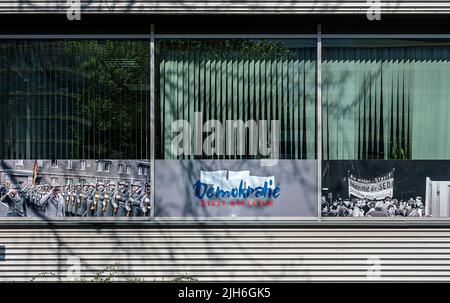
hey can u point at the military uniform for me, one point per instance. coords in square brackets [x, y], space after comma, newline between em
[68, 198]
[26, 194]
[42, 192]
[110, 200]
[89, 196]
[65, 194]
[82, 201]
[16, 203]
[146, 201]
[122, 199]
[72, 201]
[135, 199]
[33, 197]
[100, 200]
[77, 200]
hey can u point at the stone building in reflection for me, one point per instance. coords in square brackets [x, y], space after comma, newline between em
[74, 171]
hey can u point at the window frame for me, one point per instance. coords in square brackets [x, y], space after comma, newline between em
[271, 220]
[107, 167]
[355, 221]
[83, 165]
[258, 221]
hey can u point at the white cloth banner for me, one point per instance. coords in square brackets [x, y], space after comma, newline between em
[372, 189]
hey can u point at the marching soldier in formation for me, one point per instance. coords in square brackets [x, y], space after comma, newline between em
[77, 201]
[33, 196]
[89, 196]
[70, 199]
[44, 190]
[82, 201]
[110, 203]
[135, 200]
[121, 198]
[146, 206]
[65, 194]
[100, 200]
[88, 200]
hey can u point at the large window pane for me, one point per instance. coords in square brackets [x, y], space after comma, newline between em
[385, 109]
[240, 80]
[235, 128]
[74, 99]
[386, 99]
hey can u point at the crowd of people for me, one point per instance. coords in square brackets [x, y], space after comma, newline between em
[80, 200]
[388, 207]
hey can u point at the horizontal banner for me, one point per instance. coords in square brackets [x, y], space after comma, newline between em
[374, 188]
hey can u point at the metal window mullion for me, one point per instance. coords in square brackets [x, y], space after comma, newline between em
[152, 119]
[319, 120]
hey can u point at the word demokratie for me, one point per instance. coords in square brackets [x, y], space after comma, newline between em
[203, 190]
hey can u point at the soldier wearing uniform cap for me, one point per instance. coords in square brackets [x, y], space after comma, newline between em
[135, 199]
[110, 203]
[36, 197]
[82, 200]
[45, 189]
[77, 200]
[121, 198]
[100, 202]
[68, 199]
[89, 197]
[73, 199]
[16, 204]
[65, 194]
[26, 194]
[146, 205]
[30, 195]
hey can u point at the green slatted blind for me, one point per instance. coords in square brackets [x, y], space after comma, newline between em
[386, 99]
[237, 79]
[78, 99]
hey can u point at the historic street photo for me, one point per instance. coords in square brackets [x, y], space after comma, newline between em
[386, 188]
[75, 188]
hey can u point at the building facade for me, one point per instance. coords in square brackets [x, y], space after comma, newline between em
[67, 172]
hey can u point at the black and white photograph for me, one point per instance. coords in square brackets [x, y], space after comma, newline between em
[392, 188]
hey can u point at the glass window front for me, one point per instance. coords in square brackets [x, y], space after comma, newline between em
[235, 125]
[386, 99]
[74, 99]
[235, 128]
[385, 128]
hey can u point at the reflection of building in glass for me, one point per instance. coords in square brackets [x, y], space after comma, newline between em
[74, 171]
[60, 108]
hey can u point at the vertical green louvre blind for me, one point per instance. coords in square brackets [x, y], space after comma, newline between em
[80, 99]
[386, 99]
[238, 79]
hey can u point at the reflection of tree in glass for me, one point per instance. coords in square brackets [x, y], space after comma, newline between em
[114, 82]
[237, 49]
